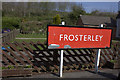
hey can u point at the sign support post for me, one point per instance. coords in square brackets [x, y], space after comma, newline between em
[61, 58]
[61, 62]
[97, 57]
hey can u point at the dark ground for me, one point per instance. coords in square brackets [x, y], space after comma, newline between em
[103, 74]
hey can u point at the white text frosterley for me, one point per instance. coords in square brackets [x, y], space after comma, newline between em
[71, 37]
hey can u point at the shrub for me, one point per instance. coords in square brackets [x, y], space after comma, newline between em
[10, 23]
[11, 67]
[56, 19]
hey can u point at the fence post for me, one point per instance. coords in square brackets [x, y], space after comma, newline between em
[9, 35]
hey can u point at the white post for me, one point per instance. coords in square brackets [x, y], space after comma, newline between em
[97, 57]
[61, 62]
[61, 58]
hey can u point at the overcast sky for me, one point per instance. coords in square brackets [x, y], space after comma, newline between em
[60, 0]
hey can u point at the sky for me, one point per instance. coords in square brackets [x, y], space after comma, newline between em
[101, 6]
[89, 5]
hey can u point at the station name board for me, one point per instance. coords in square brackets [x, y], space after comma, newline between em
[71, 37]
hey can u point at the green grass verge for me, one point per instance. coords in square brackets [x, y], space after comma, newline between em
[29, 40]
[34, 35]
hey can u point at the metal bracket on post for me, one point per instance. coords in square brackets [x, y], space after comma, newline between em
[97, 57]
[61, 58]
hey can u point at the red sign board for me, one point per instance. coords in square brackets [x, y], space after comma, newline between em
[64, 37]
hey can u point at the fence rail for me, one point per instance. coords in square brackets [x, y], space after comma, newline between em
[9, 35]
[43, 60]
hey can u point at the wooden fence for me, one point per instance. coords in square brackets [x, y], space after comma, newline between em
[41, 59]
[9, 35]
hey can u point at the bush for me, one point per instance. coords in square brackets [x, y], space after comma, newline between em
[56, 19]
[10, 23]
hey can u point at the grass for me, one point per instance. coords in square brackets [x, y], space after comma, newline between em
[14, 67]
[29, 40]
[34, 35]
[113, 61]
[116, 41]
